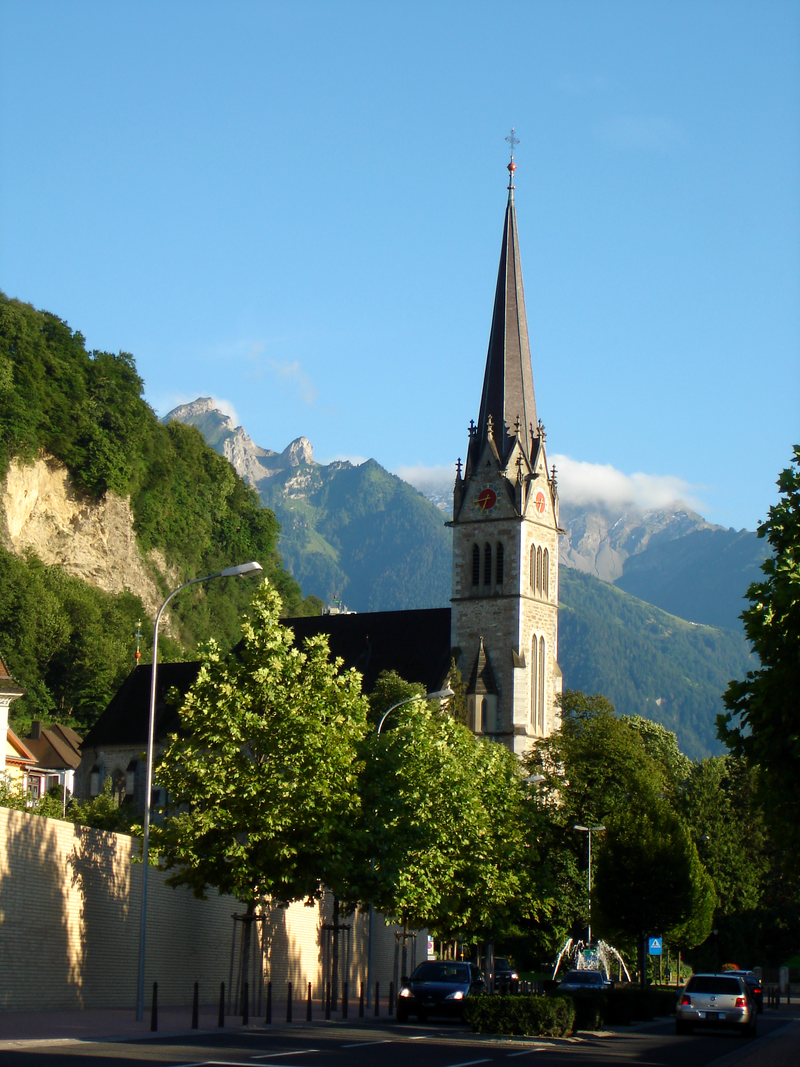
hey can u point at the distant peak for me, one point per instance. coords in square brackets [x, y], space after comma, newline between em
[298, 452]
[204, 405]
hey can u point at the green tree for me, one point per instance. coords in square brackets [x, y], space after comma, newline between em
[263, 779]
[763, 719]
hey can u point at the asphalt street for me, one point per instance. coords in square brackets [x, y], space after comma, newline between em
[386, 1044]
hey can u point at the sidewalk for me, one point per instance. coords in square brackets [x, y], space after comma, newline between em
[37, 1027]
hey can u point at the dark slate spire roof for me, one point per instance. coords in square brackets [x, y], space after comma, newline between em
[508, 380]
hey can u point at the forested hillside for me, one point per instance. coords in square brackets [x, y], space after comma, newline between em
[68, 644]
[645, 661]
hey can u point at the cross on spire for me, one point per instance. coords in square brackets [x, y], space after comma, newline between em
[512, 166]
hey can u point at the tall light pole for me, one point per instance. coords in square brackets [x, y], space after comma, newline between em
[439, 694]
[589, 830]
[229, 572]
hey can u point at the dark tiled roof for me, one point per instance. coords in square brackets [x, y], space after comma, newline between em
[54, 749]
[416, 644]
[124, 722]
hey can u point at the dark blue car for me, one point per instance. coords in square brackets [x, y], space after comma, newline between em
[438, 987]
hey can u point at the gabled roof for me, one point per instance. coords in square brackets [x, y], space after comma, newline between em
[8, 687]
[507, 398]
[17, 751]
[415, 644]
[481, 680]
[124, 722]
[58, 747]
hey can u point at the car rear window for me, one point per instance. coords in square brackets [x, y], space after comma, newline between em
[585, 977]
[708, 983]
[436, 971]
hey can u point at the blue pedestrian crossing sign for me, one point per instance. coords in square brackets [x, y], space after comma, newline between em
[654, 946]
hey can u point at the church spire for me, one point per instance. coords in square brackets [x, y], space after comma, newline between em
[507, 398]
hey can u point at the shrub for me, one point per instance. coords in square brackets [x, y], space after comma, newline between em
[520, 1016]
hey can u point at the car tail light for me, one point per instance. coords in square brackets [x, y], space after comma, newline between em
[741, 1002]
[686, 1000]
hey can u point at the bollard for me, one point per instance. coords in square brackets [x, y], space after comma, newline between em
[308, 1005]
[154, 1008]
[377, 999]
[196, 1007]
[221, 1016]
[328, 1001]
[361, 1002]
[344, 1000]
[268, 1018]
[245, 1004]
[289, 1002]
[390, 1006]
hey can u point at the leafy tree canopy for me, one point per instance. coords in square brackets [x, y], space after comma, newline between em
[263, 780]
[763, 719]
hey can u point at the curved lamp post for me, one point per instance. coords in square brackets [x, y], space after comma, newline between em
[589, 830]
[229, 572]
[439, 694]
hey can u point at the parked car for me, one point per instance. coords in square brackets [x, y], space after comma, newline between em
[504, 973]
[438, 987]
[719, 1001]
[583, 982]
[754, 985]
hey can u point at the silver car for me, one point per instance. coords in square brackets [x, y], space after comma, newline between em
[721, 1001]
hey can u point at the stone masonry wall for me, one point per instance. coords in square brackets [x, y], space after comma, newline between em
[69, 927]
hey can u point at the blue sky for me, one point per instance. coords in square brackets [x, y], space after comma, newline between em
[297, 208]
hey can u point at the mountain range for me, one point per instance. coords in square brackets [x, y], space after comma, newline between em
[649, 599]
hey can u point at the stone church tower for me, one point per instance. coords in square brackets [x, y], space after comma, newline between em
[505, 534]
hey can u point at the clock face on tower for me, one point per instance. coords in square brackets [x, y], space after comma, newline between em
[486, 500]
[540, 503]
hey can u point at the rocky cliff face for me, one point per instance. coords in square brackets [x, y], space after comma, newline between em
[598, 540]
[42, 512]
[249, 460]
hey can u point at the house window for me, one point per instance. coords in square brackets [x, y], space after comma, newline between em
[34, 787]
[52, 781]
[499, 564]
[487, 565]
[95, 780]
[130, 778]
[476, 565]
[540, 698]
[546, 574]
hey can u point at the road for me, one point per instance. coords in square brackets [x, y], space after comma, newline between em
[385, 1044]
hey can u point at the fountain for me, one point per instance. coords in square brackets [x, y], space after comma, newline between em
[599, 956]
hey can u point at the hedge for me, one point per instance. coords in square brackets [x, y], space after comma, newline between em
[524, 1016]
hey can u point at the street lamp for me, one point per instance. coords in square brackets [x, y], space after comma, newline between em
[589, 830]
[439, 694]
[229, 572]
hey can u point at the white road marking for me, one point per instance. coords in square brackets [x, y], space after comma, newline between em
[467, 1063]
[526, 1052]
[363, 1044]
[275, 1055]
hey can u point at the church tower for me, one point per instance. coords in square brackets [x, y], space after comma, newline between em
[505, 534]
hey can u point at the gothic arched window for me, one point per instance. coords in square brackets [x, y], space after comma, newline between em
[476, 565]
[540, 697]
[533, 568]
[534, 680]
[487, 564]
[498, 566]
[546, 574]
[539, 571]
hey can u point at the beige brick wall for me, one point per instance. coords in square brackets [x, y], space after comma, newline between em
[69, 927]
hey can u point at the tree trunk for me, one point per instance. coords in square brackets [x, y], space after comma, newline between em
[247, 941]
[335, 955]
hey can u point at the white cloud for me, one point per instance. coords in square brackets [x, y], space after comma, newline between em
[293, 373]
[597, 483]
[422, 477]
[627, 131]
